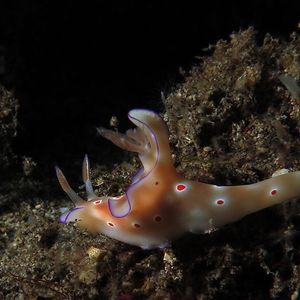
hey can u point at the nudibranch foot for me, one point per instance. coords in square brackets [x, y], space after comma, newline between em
[160, 205]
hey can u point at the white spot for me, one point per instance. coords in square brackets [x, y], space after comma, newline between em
[180, 187]
[110, 224]
[97, 202]
[274, 192]
[136, 225]
[220, 201]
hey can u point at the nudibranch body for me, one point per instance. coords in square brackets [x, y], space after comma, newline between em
[160, 205]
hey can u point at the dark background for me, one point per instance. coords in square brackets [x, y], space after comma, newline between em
[74, 65]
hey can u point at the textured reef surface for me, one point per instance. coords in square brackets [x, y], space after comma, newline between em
[231, 121]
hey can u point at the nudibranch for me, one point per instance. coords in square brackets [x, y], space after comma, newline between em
[160, 204]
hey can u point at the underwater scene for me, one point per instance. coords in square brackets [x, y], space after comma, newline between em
[149, 151]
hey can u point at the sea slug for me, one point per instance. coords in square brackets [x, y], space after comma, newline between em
[160, 204]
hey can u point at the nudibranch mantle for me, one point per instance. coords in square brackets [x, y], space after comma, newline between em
[160, 205]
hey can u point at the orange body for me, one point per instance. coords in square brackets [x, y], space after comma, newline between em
[160, 204]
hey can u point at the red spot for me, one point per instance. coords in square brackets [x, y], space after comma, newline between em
[136, 225]
[220, 201]
[110, 224]
[157, 219]
[97, 202]
[180, 187]
[273, 192]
